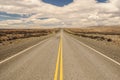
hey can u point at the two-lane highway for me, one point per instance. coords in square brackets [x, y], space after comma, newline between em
[37, 63]
[83, 63]
[60, 58]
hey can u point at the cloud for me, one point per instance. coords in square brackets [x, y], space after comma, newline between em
[78, 13]
[116, 3]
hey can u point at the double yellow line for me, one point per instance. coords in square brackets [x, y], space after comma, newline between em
[59, 65]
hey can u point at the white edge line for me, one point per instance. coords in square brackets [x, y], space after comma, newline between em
[21, 52]
[99, 52]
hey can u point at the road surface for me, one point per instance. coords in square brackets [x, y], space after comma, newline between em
[60, 57]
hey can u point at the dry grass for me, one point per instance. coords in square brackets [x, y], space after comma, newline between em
[12, 34]
[108, 34]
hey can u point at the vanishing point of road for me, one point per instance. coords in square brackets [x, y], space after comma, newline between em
[61, 57]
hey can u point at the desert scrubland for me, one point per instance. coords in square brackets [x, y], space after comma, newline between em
[13, 41]
[103, 39]
[13, 34]
[108, 34]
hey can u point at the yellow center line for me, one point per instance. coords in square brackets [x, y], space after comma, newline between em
[59, 64]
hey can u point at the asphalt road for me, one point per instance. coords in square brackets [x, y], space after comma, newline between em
[63, 56]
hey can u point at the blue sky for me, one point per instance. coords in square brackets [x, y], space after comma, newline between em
[58, 2]
[11, 16]
[62, 3]
[102, 1]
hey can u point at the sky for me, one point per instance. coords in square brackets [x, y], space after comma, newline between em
[59, 13]
[59, 3]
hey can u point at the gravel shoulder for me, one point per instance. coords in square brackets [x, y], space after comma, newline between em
[10, 48]
[105, 47]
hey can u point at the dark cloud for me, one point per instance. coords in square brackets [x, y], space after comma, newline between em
[43, 18]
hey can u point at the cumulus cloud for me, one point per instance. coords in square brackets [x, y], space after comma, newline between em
[78, 13]
[115, 2]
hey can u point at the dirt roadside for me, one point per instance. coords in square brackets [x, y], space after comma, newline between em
[10, 48]
[105, 47]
